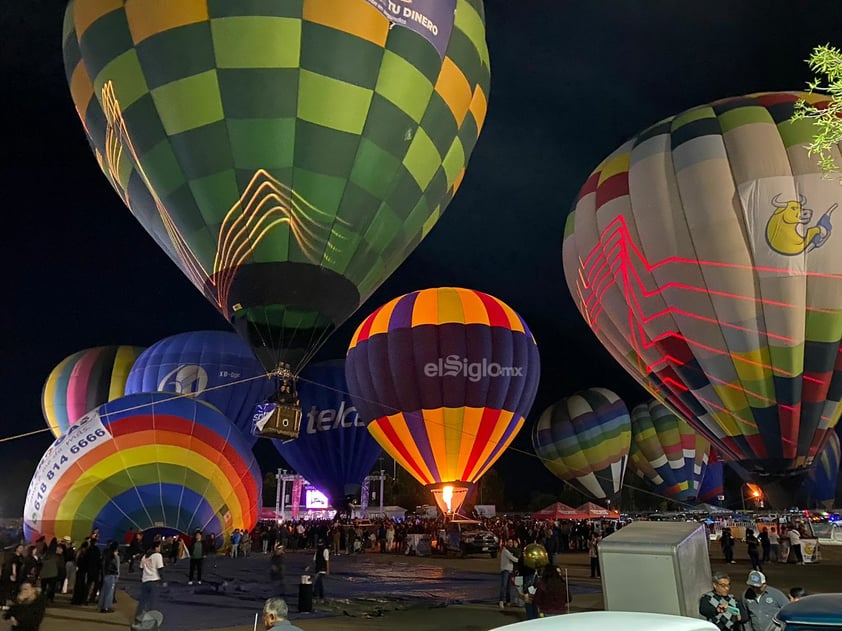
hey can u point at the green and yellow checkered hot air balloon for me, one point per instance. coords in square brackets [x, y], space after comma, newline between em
[286, 154]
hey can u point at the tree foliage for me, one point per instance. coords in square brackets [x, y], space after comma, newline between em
[825, 62]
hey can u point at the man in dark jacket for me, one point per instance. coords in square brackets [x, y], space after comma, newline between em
[11, 575]
[94, 568]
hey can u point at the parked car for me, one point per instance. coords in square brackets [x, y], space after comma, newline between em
[467, 536]
[625, 620]
[811, 613]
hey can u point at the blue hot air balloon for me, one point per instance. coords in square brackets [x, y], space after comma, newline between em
[216, 367]
[713, 484]
[334, 450]
[820, 486]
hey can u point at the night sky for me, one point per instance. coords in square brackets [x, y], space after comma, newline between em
[570, 82]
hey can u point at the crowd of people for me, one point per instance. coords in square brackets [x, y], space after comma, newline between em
[754, 610]
[33, 574]
[767, 546]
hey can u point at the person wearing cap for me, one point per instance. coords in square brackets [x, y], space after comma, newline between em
[720, 607]
[762, 601]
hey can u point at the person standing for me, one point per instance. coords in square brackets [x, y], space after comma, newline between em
[794, 535]
[197, 558]
[110, 574]
[552, 597]
[390, 537]
[80, 585]
[765, 544]
[322, 561]
[236, 537]
[593, 554]
[276, 568]
[753, 550]
[720, 607]
[774, 545]
[507, 561]
[69, 565]
[94, 568]
[275, 612]
[762, 601]
[49, 571]
[11, 576]
[210, 547]
[135, 550]
[726, 542]
[150, 575]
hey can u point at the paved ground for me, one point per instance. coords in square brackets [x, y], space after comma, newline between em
[378, 592]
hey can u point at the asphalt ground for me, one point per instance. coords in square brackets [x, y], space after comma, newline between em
[376, 592]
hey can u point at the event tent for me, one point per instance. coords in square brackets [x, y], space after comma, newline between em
[559, 511]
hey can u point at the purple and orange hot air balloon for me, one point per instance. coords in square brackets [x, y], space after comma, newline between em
[445, 378]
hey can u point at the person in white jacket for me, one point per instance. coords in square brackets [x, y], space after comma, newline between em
[507, 561]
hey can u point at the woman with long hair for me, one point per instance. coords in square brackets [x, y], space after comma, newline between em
[110, 573]
[552, 596]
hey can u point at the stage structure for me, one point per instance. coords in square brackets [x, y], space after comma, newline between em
[292, 503]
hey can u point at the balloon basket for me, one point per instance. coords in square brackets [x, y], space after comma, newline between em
[280, 420]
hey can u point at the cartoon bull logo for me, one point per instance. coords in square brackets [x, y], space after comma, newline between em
[788, 231]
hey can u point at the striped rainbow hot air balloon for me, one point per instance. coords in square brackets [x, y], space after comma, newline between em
[584, 439]
[83, 381]
[141, 462]
[445, 378]
[666, 452]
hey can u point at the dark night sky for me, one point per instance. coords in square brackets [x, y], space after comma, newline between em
[570, 82]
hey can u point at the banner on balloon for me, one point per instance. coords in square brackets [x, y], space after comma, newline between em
[431, 19]
[786, 226]
[84, 435]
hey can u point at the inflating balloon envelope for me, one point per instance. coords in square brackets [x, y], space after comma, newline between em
[286, 156]
[703, 255]
[145, 462]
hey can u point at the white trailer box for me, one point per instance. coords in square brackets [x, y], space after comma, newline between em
[486, 510]
[655, 567]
